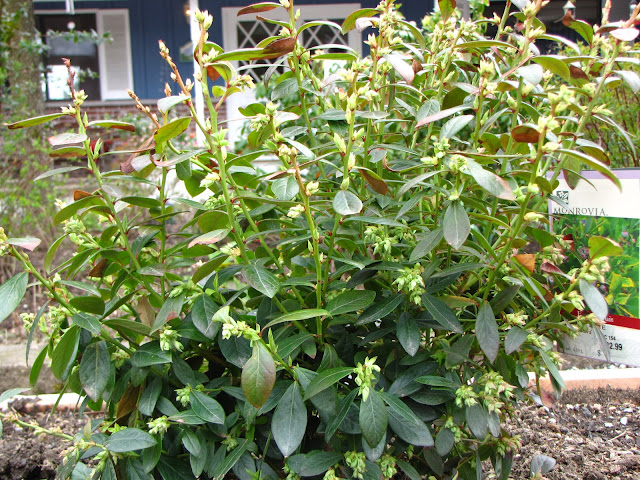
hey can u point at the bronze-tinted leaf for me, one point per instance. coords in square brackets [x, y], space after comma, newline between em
[146, 311]
[527, 260]
[577, 73]
[98, 270]
[258, 7]
[417, 66]
[149, 144]
[568, 18]
[375, 182]
[279, 47]
[525, 134]
[550, 268]
[127, 403]
[78, 194]
[403, 68]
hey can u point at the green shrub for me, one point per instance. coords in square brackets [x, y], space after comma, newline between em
[369, 310]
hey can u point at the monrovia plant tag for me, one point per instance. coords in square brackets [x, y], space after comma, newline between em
[374, 306]
[602, 223]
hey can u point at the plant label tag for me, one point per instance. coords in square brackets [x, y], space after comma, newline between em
[596, 207]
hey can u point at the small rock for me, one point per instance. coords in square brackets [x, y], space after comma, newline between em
[597, 407]
[586, 412]
[608, 424]
[569, 406]
[628, 410]
[552, 420]
[623, 420]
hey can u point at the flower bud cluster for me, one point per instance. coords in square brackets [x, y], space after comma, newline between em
[158, 425]
[295, 211]
[233, 328]
[214, 202]
[356, 461]
[210, 180]
[377, 237]
[169, 340]
[387, 464]
[465, 396]
[243, 82]
[595, 270]
[457, 163]
[365, 376]
[231, 250]
[516, 319]
[411, 283]
[4, 246]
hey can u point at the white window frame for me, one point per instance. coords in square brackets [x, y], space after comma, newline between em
[104, 94]
[230, 20]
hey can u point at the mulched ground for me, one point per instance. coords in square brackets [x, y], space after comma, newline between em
[592, 434]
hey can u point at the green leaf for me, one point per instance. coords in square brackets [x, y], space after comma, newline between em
[37, 366]
[491, 182]
[477, 420]
[456, 225]
[129, 127]
[603, 247]
[298, 315]
[454, 125]
[150, 354]
[88, 304]
[12, 392]
[313, 463]
[289, 421]
[285, 88]
[350, 301]
[172, 129]
[350, 22]
[206, 408]
[373, 419]
[487, 332]
[202, 315]
[553, 64]
[325, 379]
[128, 440]
[56, 171]
[594, 299]
[380, 309]
[149, 397]
[167, 103]
[95, 368]
[261, 279]
[343, 409]
[143, 202]
[553, 370]
[70, 210]
[427, 244]
[11, 293]
[542, 464]
[346, 203]
[64, 355]
[434, 117]
[170, 309]
[68, 152]
[32, 122]
[446, 7]
[409, 470]
[285, 188]
[441, 313]
[405, 423]
[258, 376]
[444, 441]
[592, 163]
[515, 338]
[408, 334]
[67, 139]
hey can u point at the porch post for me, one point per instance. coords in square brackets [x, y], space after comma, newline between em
[199, 98]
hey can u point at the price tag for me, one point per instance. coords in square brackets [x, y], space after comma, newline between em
[612, 342]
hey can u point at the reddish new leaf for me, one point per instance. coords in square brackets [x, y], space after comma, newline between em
[375, 182]
[279, 47]
[577, 73]
[527, 260]
[548, 267]
[258, 7]
[78, 194]
[98, 270]
[525, 134]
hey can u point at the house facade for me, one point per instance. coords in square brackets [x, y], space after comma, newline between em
[131, 60]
